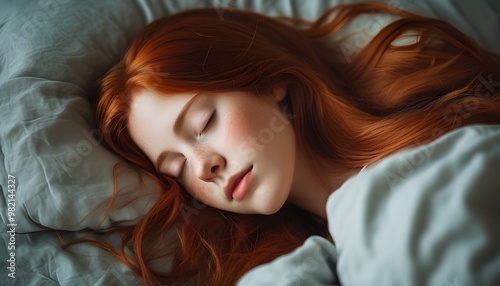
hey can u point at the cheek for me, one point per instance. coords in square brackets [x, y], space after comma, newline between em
[251, 134]
[235, 137]
[200, 191]
[243, 126]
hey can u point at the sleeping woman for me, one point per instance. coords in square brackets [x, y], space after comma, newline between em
[249, 123]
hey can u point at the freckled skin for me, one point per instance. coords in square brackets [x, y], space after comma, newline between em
[248, 130]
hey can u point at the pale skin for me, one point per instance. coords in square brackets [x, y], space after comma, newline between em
[234, 151]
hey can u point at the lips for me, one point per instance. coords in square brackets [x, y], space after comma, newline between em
[238, 184]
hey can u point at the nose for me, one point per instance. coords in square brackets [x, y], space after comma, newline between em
[207, 163]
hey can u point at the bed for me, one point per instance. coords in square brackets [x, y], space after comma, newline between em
[55, 170]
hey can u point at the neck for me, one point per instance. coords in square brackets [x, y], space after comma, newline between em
[312, 185]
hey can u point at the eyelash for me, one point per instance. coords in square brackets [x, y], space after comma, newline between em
[209, 123]
[205, 129]
[207, 126]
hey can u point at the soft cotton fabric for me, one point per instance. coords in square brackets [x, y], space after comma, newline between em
[424, 216]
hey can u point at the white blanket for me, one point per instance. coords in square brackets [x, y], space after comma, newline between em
[424, 216]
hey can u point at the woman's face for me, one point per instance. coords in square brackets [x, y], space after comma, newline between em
[233, 151]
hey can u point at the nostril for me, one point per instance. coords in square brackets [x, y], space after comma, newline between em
[214, 169]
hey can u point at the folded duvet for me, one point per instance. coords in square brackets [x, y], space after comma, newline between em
[424, 216]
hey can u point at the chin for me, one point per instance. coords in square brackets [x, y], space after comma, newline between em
[270, 209]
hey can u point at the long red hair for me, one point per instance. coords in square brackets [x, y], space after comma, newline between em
[352, 109]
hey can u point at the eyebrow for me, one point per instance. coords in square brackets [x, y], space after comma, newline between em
[179, 122]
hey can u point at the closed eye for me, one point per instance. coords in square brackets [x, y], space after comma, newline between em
[174, 167]
[181, 171]
[209, 123]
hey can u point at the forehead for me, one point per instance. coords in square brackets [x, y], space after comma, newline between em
[152, 117]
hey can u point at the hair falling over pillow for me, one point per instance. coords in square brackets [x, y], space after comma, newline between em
[353, 109]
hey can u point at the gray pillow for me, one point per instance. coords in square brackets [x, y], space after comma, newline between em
[50, 53]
